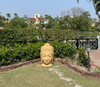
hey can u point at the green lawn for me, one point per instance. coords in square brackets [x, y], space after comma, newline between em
[37, 76]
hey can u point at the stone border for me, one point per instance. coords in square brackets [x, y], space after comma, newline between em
[81, 72]
[14, 66]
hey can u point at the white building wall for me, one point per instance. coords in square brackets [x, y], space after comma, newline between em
[98, 37]
[36, 15]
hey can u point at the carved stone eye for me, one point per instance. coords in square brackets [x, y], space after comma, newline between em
[44, 55]
[49, 55]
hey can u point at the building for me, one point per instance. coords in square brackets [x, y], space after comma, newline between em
[93, 23]
[37, 19]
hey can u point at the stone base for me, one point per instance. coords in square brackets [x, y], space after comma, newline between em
[46, 65]
[39, 65]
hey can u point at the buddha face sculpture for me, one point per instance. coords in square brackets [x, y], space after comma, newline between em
[47, 54]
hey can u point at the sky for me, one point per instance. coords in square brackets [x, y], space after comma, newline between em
[42, 7]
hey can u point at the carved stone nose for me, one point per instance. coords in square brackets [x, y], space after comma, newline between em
[46, 59]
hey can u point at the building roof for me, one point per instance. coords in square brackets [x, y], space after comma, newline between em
[41, 18]
[95, 21]
[32, 18]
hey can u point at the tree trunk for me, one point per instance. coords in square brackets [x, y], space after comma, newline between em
[96, 10]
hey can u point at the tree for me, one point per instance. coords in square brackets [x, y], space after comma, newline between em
[8, 16]
[18, 23]
[64, 22]
[96, 4]
[16, 15]
[25, 17]
[2, 20]
[86, 14]
[50, 21]
[76, 19]
[75, 11]
[80, 23]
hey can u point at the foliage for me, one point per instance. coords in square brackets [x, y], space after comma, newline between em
[2, 19]
[50, 20]
[63, 49]
[80, 23]
[24, 52]
[96, 4]
[94, 28]
[11, 36]
[77, 22]
[98, 26]
[8, 26]
[15, 22]
[18, 22]
[82, 59]
[53, 34]
[64, 22]
[19, 52]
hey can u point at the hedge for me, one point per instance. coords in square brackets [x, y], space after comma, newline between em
[30, 51]
[12, 36]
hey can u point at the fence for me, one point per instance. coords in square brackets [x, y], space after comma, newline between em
[82, 42]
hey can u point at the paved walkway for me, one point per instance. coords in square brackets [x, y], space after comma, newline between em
[95, 57]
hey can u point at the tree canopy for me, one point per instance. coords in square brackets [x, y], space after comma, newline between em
[96, 4]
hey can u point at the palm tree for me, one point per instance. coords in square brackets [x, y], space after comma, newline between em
[16, 15]
[86, 14]
[8, 16]
[48, 18]
[57, 19]
[96, 4]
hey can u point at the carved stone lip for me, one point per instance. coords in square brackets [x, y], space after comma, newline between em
[46, 63]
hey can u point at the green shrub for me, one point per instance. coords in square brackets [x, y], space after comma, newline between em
[82, 59]
[25, 52]
[19, 52]
[8, 36]
[65, 49]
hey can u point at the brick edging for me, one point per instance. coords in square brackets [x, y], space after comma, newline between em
[14, 66]
[81, 72]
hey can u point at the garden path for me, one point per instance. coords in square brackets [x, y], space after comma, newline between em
[95, 57]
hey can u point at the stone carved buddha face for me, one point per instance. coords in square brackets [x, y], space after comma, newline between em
[47, 55]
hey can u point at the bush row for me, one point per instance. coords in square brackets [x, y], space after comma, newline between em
[22, 52]
[8, 36]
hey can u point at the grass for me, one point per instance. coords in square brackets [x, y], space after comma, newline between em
[36, 76]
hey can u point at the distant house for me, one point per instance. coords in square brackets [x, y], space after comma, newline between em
[93, 23]
[37, 19]
[1, 28]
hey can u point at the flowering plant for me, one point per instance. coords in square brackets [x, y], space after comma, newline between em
[91, 64]
[61, 56]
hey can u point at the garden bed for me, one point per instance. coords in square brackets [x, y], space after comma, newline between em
[65, 63]
[35, 75]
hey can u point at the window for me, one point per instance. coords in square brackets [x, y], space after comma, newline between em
[33, 22]
[36, 16]
[41, 22]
